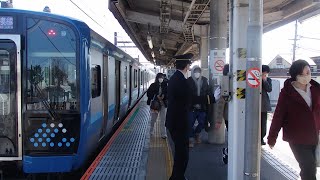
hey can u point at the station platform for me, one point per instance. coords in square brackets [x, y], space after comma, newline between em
[133, 154]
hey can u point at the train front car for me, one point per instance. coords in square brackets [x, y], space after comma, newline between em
[40, 116]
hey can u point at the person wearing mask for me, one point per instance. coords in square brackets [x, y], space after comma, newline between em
[177, 115]
[158, 90]
[297, 113]
[265, 101]
[200, 99]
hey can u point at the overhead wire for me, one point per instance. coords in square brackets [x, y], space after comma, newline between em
[85, 13]
[309, 38]
[309, 49]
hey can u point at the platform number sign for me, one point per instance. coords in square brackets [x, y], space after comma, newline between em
[253, 77]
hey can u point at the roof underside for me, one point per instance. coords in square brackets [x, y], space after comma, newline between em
[168, 22]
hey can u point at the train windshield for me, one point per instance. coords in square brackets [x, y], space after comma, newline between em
[51, 66]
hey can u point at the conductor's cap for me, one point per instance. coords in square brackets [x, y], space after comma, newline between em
[184, 58]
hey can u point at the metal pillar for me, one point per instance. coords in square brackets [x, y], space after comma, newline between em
[218, 45]
[236, 113]
[115, 38]
[252, 149]
[204, 50]
[295, 42]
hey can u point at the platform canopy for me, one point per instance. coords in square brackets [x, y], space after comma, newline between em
[172, 27]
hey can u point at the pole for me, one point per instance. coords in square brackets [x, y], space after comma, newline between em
[252, 150]
[218, 45]
[295, 42]
[204, 51]
[115, 39]
[236, 113]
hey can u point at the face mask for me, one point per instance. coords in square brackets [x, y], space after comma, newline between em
[197, 75]
[160, 80]
[304, 79]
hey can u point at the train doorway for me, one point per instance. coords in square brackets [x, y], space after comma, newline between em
[10, 98]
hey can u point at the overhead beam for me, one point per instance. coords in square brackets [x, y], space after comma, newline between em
[272, 17]
[298, 6]
[293, 12]
[117, 9]
[131, 4]
[142, 18]
[267, 4]
[306, 17]
[178, 3]
[167, 37]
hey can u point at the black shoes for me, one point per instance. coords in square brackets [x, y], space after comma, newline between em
[225, 151]
[225, 159]
[225, 155]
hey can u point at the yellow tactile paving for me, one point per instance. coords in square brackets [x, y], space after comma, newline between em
[160, 157]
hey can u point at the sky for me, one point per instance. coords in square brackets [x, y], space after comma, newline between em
[96, 14]
[280, 40]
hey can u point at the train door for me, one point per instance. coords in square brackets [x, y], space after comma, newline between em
[10, 98]
[117, 90]
[130, 87]
[105, 96]
[138, 83]
[142, 81]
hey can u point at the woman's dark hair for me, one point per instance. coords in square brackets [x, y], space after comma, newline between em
[297, 68]
[159, 75]
[265, 68]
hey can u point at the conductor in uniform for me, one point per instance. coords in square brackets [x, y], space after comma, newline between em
[177, 115]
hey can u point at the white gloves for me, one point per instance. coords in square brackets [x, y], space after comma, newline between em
[217, 94]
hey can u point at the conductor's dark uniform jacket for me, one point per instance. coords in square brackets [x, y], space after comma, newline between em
[177, 122]
[178, 100]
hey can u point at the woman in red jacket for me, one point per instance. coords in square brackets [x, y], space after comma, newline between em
[298, 114]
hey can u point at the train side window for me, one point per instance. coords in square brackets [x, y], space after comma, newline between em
[95, 81]
[125, 79]
[141, 78]
[135, 79]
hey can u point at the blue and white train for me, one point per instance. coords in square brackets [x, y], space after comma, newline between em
[63, 88]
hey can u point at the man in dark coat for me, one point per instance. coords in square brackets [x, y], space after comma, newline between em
[177, 115]
[200, 99]
[265, 101]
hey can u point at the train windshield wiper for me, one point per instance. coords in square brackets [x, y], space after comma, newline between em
[45, 102]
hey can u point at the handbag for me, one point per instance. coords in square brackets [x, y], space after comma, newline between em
[317, 153]
[155, 104]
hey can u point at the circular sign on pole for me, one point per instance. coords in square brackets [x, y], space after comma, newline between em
[218, 65]
[253, 77]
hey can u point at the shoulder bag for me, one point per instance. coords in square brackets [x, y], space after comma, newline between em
[155, 104]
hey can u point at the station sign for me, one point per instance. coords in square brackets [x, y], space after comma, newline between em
[217, 62]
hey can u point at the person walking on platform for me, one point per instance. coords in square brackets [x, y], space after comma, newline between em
[158, 92]
[200, 99]
[297, 113]
[177, 115]
[225, 72]
[265, 101]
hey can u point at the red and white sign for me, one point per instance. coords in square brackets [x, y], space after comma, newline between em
[253, 77]
[218, 65]
[217, 61]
